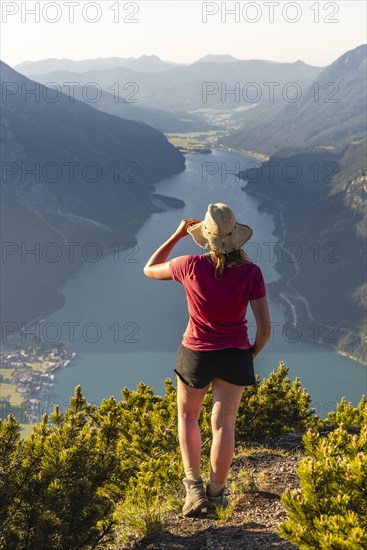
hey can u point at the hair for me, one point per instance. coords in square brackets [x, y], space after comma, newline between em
[222, 260]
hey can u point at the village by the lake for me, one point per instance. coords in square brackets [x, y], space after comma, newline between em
[26, 376]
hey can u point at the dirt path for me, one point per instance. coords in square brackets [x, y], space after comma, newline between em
[257, 479]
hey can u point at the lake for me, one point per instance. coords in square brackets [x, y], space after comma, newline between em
[127, 327]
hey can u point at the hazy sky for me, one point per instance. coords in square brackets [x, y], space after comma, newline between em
[177, 30]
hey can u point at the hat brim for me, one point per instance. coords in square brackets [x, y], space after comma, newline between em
[239, 237]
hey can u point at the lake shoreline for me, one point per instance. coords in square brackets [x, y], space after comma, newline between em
[160, 203]
[31, 373]
[293, 309]
[253, 154]
[140, 349]
[268, 205]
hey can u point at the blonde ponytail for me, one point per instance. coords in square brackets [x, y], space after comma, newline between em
[222, 260]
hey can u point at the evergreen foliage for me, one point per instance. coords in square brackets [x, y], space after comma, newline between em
[54, 486]
[273, 407]
[98, 476]
[351, 417]
[331, 511]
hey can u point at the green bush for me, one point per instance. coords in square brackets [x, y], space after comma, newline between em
[94, 475]
[65, 485]
[330, 513]
[351, 417]
[148, 429]
[54, 485]
[273, 407]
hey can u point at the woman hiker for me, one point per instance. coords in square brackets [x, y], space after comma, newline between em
[215, 348]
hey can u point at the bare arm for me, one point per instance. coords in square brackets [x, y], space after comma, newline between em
[157, 267]
[262, 316]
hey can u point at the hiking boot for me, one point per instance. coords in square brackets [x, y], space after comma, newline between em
[196, 498]
[216, 500]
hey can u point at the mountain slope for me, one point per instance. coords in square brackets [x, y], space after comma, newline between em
[158, 118]
[321, 222]
[70, 173]
[181, 88]
[145, 63]
[212, 58]
[331, 110]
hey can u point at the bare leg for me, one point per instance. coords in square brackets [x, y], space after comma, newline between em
[226, 400]
[189, 402]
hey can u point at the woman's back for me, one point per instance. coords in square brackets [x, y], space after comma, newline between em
[217, 307]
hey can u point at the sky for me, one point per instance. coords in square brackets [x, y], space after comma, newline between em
[181, 31]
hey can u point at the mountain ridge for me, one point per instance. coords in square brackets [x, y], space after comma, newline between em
[322, 221]
[181, 88]
[126, 158]
[331, 110]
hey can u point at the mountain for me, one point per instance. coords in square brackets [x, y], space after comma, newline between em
[351, 180]
[318, 199]
[183, 88]
[164, 121]
[144, 63]
[70, 173]
[210, 58]
[224, 58]
[323, 210]
[149, 64]
[331, 110]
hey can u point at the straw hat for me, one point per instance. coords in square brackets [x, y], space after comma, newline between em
[219, 230]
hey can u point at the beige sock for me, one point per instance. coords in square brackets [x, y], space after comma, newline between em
[192, 473]
[215, 487]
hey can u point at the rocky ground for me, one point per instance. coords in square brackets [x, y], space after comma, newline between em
[259, 475]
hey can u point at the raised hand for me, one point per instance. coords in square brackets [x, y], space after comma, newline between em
[181, 231]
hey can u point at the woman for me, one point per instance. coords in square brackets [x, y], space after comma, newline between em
[215, 348]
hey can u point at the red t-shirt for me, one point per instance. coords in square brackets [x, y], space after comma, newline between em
[216, 308]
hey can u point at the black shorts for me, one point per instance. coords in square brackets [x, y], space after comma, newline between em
[198, 368]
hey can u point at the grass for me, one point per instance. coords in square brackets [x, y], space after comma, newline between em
[37, 366]
[263, 479]
[225, 513]
[142, 515]
[192, 140]
[245, 483]
[6, 373]
[247, 451]
[9, 391]
[142, 522]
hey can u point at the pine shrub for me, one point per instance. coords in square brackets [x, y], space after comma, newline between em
[93, 475]
[351, 417]
[330, 512]
[273, 407]
[54, 486]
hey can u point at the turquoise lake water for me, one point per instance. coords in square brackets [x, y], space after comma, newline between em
[129, 326]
